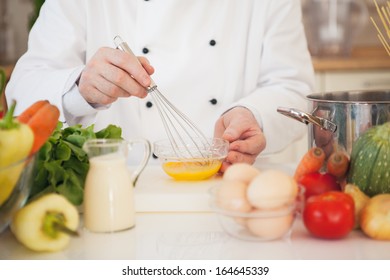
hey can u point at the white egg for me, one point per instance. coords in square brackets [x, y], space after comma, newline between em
[271, 189]
[241, 172]
[231, 195]
[270, 228]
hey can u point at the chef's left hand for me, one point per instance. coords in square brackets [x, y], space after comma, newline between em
[240, 128]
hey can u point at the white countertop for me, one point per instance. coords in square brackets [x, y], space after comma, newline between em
[177, 236]
[173, 221]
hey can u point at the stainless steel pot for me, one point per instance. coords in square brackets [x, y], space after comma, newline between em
[337, 119]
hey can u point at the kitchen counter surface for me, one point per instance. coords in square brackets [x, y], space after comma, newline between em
[169, 230]
[198, 236]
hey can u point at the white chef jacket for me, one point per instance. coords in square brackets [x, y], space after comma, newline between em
[208, 55]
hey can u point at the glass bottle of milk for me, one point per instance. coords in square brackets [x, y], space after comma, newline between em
[108, 190]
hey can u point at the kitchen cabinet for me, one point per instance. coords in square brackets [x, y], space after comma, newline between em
[352, 80]
[366, 68]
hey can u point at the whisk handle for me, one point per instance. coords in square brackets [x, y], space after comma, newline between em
[123, 46]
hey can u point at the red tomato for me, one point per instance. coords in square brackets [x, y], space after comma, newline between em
[329, 215]
[318, 183]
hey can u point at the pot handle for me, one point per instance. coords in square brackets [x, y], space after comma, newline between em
[307, 118]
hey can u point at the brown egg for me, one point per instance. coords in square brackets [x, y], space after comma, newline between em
[231, 195]
[272, 189]
[243, 172]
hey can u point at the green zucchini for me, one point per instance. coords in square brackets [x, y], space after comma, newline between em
[370, 161]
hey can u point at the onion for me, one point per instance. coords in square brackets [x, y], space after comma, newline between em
[375, 217]
[360, 199]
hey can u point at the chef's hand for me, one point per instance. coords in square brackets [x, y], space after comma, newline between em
[240, 128]
[111, 74]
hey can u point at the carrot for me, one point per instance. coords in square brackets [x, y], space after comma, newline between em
[312, 161]
[30, 111]
[337, 164]
[42, 117]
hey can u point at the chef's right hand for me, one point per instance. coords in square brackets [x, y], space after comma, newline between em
[111, 74]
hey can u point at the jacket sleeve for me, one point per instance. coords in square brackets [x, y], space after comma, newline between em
[54, 59]
[285, 76]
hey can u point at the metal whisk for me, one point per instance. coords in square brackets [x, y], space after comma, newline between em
[181, 131]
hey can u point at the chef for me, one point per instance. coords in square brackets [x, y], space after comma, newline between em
[226, 64]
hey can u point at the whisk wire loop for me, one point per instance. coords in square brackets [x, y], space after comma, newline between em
[177, 125]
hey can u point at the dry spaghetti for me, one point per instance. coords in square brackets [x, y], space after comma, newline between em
[384, 15]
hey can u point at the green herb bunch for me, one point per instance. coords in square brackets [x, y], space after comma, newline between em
[37, 4]
[62, 164]
[2, 87]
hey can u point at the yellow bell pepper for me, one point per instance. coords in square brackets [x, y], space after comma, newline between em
[46, 224]
[16, 141]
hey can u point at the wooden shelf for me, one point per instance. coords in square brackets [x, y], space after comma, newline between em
[361, 58]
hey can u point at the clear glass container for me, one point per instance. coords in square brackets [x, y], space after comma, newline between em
[333, 25]
[16, 182]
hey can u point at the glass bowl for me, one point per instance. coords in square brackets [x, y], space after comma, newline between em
[192, 159]
[256, 224]
[16, 181]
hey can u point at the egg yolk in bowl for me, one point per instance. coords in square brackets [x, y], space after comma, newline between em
[195, 159]
[192, 170]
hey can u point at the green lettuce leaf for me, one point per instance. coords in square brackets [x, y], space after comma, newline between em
[62, 164]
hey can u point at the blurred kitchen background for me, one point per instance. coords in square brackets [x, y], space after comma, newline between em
[16, 14]
[340, 34]
[347, 54]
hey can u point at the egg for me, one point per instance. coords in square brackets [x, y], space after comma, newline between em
[192, 170]
[270, 228]
[231, 195]
[243, 172]
[271, 189]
